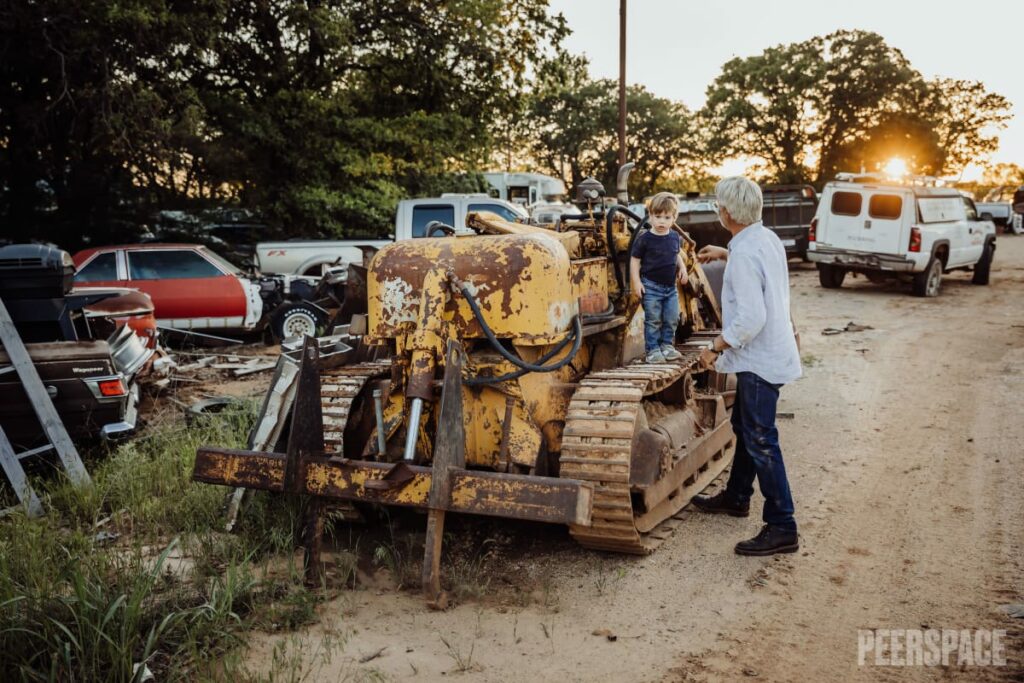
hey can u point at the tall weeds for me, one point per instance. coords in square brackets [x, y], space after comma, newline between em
[97, 590]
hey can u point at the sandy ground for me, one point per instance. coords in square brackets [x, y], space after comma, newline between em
[906, 462]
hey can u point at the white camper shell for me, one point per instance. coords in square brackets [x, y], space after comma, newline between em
[887, 229]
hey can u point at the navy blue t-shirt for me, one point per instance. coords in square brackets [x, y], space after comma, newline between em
[657, 254]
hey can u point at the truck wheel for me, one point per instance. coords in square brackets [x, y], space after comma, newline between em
[984, 264]
[927, 282]
[831, 277]
[296, 319]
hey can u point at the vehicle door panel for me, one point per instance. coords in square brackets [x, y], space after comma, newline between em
[974, 237]
[883, 225]
[187, 288]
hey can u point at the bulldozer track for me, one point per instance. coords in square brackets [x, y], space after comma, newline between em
[338, 389]
[597, 446]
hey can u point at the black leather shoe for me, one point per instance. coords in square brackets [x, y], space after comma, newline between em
[771, 540]
[721, 504]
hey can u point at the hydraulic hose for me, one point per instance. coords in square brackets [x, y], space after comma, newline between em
[608, 220]
[632, 240]
[569, 217]
[477, 381]
[576, 337]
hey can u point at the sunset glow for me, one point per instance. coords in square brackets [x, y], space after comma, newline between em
[895, 168]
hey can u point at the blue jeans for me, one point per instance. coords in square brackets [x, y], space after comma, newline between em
[661, 314]
[757, 451]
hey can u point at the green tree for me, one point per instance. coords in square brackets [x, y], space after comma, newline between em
[93, 100]
[865, 83]
[850, 101]
[908, 136]
[765, 106]
[966, 118]
[320, 114]
[574, 130]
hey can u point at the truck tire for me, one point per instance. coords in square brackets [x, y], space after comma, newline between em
[1016, 223]
[831, 277]
[984, 264]
[928, 281]
[296, 319]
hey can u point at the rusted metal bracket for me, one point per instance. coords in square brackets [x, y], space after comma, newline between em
[449, 455]
[395, 478]
[305, 444]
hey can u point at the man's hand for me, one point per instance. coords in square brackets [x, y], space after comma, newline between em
[710, 253]
[707, 359]
[638, 289]
[683, 277]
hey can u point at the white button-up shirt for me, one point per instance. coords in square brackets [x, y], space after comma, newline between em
[755, 308]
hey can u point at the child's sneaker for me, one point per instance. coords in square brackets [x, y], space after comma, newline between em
[655, 356]
[670, 353]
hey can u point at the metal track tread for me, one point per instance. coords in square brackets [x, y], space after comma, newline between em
[338, 389]
[597, 447]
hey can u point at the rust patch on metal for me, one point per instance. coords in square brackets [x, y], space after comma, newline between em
[125, 302]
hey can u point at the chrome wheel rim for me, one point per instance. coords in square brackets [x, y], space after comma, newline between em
[299, 325]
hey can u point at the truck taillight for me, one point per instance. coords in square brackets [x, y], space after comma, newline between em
[112, 388]
[813, 230]
[915, 239]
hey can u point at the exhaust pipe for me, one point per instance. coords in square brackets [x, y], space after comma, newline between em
[621, 183]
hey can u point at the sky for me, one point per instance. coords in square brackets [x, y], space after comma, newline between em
[676, 47]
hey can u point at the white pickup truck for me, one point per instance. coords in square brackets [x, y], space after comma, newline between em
[998, 206]
[886, 230]
[310, 257]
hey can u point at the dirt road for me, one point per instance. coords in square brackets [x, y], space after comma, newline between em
[905, 457]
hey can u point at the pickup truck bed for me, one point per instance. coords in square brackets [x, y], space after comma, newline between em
[302, 257]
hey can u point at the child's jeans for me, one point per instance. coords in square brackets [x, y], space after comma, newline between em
[661, 315]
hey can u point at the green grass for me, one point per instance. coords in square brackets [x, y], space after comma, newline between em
[78, 605]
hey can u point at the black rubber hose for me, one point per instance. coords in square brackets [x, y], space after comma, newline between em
[434, 226]
[632, 240]
[577, 337]
[569, 217]
[608, 220]
[477, 381]
[608, 314]
[600, 317]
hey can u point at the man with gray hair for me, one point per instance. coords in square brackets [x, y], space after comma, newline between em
[758, 344]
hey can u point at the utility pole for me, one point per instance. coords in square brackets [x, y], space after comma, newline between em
[622, 82]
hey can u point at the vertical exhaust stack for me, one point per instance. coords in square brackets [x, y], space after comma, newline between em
[621, 183]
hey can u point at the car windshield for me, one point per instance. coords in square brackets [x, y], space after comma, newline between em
[225, 265]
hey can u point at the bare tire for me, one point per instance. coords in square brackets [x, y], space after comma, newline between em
[928, 282]
[984, 264]
[831, 277]
[296, 319]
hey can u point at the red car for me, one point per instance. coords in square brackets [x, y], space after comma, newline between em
[191, 286]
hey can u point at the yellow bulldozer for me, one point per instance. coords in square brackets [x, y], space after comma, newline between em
[499, 371]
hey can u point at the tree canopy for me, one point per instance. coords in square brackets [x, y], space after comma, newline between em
[321, 114]
[846, 101]
[318, 113]
[572, 129]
